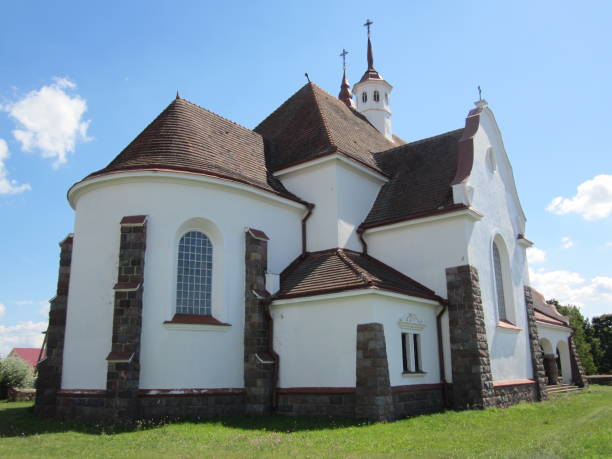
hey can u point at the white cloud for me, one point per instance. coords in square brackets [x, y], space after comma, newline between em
[43, 305]
[50, 120]
[24, 334]
[535, 255]
[593, 199]
[566, 242]
[8, 186]
[609, 244]
[2, 309]
[594, 295]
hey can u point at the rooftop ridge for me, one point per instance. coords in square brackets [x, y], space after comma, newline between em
[357, 269]
[320, 109]
[217, 115]
[420, 141]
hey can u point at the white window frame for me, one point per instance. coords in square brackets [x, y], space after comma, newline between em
[208, 309]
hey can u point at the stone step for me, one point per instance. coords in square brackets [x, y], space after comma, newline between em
[562, 388]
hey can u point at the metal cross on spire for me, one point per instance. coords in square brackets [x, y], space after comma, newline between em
[479, 93]
[368, 24]
[343, 55]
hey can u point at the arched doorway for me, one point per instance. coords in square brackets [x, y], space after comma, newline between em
[550, 362]
[564, 362]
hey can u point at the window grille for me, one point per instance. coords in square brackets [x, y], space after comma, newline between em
[194, 274]
[364, 97]
[376, 96]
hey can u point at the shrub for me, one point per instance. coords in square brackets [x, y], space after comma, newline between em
[14, 372]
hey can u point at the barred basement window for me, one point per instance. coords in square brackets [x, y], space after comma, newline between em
[364, 97]
[194, 274]
[411, 353]
[499, 284]
[376, 96]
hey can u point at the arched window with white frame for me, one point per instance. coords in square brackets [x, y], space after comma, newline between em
[499, 283]
[194, 274]
[376, 96]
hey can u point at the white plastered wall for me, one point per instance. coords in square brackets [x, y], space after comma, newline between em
[315, 338]
[170, 358]
[423, 251]
[493, 193]
[558, 338]
[342, 193]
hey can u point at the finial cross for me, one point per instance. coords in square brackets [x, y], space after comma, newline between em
[343, 55]
[368, 24]
[479, 93]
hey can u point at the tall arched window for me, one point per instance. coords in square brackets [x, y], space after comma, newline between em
[376, 96]
[194, 274]
[364, 97]
[499, 284]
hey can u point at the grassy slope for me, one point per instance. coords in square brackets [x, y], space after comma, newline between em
[568, 426]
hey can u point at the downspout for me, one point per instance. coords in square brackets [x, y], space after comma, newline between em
[364, 244]
[306, 217]
[441, 355]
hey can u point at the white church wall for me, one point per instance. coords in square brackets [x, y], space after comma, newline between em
[494, 195]
[316, 352]
[558, 337]
[356, 195]
[343, 195]
[167, 357]
[317, 185]
[423, 251]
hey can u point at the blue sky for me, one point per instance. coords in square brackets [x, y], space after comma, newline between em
[79, 80]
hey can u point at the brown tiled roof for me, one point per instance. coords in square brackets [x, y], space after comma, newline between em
[548, 310]
[422, 173]
[338, 270]
[188, 138]
[313, 123]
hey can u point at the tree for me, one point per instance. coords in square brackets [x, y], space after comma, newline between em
[580, 324]
[14, 372]
[602, 331]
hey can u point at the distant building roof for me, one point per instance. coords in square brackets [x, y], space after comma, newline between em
[28, 354]
[337, 270]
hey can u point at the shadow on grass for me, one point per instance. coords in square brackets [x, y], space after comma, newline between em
[21, 422]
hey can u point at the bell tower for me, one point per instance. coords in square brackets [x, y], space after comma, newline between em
[372, 93]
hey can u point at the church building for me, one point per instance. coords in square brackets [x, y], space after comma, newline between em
[317, 264]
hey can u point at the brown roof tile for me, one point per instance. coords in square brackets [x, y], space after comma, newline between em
[422, 173]
[313, 123]
[549, 310]
[337, 270]
[189, 138]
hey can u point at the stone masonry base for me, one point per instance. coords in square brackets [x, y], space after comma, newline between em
[508, 395]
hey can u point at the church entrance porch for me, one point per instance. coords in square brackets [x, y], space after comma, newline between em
[557, 363]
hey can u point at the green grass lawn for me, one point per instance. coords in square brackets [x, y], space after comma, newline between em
[577, 425]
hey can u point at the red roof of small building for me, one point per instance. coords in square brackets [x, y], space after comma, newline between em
[28, 354]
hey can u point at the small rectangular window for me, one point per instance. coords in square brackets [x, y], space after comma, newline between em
[411, 353]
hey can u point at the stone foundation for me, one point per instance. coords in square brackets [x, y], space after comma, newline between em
[93, 406]
[259, 360]
[510, 394]
[537, 357]
[373, 399]
[49, 379]
[578, 373]
[417, 399]
[336, 402]
[472, 379]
